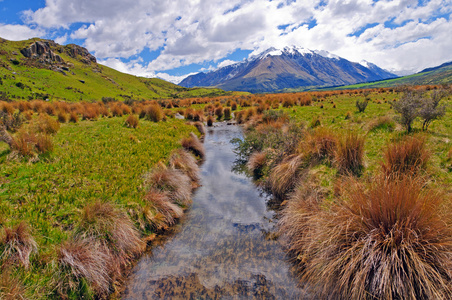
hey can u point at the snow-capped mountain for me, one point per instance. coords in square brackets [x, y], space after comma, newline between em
[290, 67]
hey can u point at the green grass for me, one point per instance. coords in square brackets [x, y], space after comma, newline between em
[92, 161]
[99, 81]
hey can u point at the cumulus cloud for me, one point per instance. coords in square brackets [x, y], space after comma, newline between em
[19, 32]
[401, 35]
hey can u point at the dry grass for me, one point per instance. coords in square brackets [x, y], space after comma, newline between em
[17, 244]
[174, 182]
[186, 162]
[73, 117]
[210, 121]
[257, 163]
[82, 259]
[406, 157]
[10, 287]
[30, 144]
[46, 124]
[160, 212]
[349, 156]
[132, 121]
[153, 112]
[285, 176]
[389, 239]
[319, 144]
[193, 144]
[200, 127]
[63, 117]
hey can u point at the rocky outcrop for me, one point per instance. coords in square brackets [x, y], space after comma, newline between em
[41, 51]
[80, 53]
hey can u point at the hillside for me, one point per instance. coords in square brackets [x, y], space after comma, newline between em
[43, 69]
[436, 75]
[291, 67]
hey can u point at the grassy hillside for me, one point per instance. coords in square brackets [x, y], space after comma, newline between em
[23, 78]
[434, 76]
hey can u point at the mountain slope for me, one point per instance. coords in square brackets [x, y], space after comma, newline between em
[291, 67]
[43, 69]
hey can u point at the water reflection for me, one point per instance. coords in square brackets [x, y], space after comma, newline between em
[223, 249]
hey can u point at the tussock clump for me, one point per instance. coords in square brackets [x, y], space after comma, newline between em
[193, 144]
[17, 244]
[200, 127]
[227, 113]
[406, 157]
[284, 177]
[111, 227]
[160, 211]
[73, 117]
[319, 144]
[132, 121]
[30, 144]
[257, 163]
[45, 124]
[174, 182]
[210, 121]
[82, 259]
[10, 287]
[153, 112]
[186, 162]
[63, 117]
[390, 239]
[382, 123]
[349, 156]
[7, 107]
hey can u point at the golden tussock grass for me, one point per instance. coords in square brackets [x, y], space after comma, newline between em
[186, 162]
[194, 145]
[17, 244]
[349, 155]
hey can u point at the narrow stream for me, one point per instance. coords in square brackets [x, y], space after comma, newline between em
[222, 249]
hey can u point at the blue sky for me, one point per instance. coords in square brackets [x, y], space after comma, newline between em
[173, 38]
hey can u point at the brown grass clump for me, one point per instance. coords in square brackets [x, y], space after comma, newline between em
[186, 162]
[384, 122]
[257, 163]
[349, 156]
[160, 212]
[227, 113]
[7, 107]
[200, 127]
[390, 239]
[219, 112]
[174, 182]
[210, 121]
[319, 144]
[80, 259]
[45, 124]
[17, 244]
[73, 117]
[284, 177]
[193, 144]
[63, 117]
[153, 112]
[132, 121]
[233, 105]
[10, 287]
[406, 157]
[29, 144]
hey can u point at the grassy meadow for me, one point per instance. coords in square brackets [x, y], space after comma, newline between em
[85, 186]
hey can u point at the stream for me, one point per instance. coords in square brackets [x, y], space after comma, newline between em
[223, 249]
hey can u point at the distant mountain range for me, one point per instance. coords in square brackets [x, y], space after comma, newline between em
[291, 67]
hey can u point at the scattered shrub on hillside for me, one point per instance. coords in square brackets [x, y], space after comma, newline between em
[193, 144]
[17, 244]
[390, 239]
[361, 105]
[431, 110]
[82, 261]
[408, 156]
[408, 107]
[153, 112]
[349, 156]
[186, 162]
[132, 121]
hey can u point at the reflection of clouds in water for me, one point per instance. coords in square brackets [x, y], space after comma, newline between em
[221, 242]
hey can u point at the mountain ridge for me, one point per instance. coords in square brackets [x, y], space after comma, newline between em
[290, 67]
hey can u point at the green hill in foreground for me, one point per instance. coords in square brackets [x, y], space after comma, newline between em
[431, 76]
[43, 69]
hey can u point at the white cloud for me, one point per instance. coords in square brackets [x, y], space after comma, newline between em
[196, 31]
[171, 78]
[226, 62]
[19, 32]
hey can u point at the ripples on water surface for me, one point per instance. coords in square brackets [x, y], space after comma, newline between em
[220, 251]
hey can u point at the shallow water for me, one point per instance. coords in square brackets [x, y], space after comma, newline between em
[222, 249]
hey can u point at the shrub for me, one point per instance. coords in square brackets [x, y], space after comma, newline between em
[431, 110]
[349, 155]
[406, 157]
[171, 181]
[390, 239]
[186, 162]
[408, 107]
[153, 112]
[82, 259]
[17, 244]
[132, 121]
[193, 144]
[361, 105]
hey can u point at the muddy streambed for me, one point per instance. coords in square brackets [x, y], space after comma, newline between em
[222, 249]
